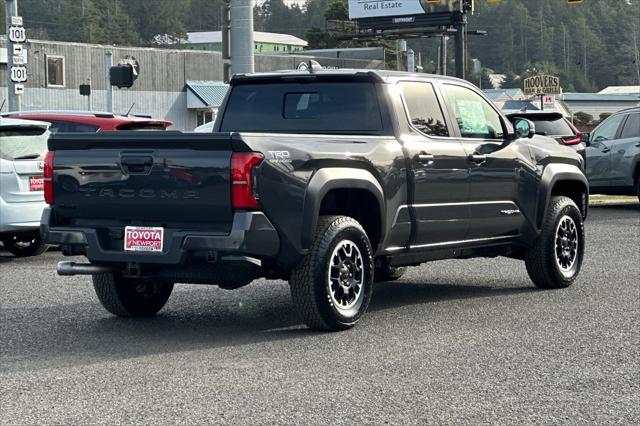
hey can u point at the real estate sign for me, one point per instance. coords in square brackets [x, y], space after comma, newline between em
[359, 9]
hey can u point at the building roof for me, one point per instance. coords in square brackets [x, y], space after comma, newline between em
[203, 94]
[621, 90]
[258, 37]
[519, 106]
[600, 97]
[495, 94]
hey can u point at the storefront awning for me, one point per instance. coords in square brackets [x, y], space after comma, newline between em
[205, 94]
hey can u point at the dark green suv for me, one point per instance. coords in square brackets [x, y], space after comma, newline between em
[613, 154]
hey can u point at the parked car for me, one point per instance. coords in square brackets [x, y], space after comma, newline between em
[613, 154]
[23, 145]
[78, 121]
[554, 125]
[329, 179]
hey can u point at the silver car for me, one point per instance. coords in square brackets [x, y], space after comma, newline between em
[23, 145]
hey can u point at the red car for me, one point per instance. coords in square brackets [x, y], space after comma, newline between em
[72, 121]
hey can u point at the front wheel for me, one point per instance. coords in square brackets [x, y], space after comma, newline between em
[23, 245]
[128, 297]
[331, 287]
[555, 259]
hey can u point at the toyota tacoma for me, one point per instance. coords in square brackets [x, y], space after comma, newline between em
[331, 180]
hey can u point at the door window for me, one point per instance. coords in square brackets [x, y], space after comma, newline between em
[607, 130]
[474, 115]
[423, 108]
[631, 127]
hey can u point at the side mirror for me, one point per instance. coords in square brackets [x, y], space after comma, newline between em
[586, 138]
[524, 128]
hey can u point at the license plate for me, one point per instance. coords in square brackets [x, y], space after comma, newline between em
[36, 183]
[143, 238]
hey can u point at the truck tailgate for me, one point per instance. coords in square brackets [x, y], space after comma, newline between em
[143, 178]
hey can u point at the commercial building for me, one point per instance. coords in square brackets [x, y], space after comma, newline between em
[263, 42]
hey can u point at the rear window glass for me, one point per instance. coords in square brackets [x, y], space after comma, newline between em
[142, 126]
[316, 107]
[552, 127]
[23, 143]
[68, 126]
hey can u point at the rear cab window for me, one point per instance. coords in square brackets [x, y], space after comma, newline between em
[23, 143]
[423, 108]
[342, 107]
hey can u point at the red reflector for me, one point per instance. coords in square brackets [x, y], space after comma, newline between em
[242, 164]
[48, 177]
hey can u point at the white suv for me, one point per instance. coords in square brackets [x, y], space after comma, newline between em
[23, 145]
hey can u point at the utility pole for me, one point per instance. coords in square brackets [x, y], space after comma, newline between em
[242, 49]
[443, 54]
[108, 60]
[11, 11]
[461, 46]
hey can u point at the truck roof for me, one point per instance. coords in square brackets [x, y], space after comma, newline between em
[382, 75]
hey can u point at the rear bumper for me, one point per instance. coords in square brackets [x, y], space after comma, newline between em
[252, 235]
[20, 217]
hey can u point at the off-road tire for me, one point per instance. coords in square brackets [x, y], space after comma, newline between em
[127, 297]
[24, 246]
[311, 286]
[542, 266]
[385, 272]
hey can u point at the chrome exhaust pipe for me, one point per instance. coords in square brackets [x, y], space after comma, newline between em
[73, 268]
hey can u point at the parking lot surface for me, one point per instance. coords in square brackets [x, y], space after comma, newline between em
[452, 342]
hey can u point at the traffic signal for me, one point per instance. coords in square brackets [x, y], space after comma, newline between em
[122, 75]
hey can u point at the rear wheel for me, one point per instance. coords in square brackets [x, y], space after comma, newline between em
[23, 245]
[331, 287]
[555, 259]
[128, 297]
[638, 186]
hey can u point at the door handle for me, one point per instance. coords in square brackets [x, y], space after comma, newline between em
[477, 158]
[605, 150]
[424, 158]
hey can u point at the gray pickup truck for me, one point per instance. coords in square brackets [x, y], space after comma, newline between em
[328, 179]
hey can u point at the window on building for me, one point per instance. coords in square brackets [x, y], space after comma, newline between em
[55, 71]
[424, 109]
[204, 116]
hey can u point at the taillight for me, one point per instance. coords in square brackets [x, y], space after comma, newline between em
[574, 141]
[48, 177]
[242, 164]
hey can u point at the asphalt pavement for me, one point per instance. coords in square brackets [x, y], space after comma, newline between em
[463, 341]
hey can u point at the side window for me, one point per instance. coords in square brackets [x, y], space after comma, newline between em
[424, 110]
[607, 130]
[631, 127]
[476, 118]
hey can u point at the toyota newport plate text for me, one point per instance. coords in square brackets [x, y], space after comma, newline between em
[143, 238]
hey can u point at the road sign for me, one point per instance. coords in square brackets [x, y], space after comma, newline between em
[17, 34]
[549, 100]
[19, 74]
[17, 50]
[16, 21]
[541, 85]
[19, 89]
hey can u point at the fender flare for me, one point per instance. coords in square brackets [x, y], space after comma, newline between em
[325, 180]
[552, 174]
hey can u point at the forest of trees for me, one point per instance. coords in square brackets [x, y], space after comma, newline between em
[590, 46]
